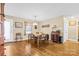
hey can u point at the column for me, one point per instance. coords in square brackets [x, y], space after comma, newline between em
[1, 29]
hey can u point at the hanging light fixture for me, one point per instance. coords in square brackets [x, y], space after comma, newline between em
[35, 23]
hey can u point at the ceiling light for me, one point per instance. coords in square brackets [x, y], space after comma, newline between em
[35, 23]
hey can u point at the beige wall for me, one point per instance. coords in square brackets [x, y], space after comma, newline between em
[68, 32]
[58, 21]
[35, 30]
[14, 30]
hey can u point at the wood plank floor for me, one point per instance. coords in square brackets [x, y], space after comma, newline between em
[25, 48]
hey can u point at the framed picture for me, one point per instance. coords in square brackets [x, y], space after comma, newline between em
[72, 23]
[18, 24]
[47, 25]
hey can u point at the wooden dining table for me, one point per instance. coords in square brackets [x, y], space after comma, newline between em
[38, 39]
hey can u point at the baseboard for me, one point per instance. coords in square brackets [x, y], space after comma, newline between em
[16, 41]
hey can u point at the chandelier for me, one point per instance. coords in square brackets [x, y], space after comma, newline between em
[35, 23]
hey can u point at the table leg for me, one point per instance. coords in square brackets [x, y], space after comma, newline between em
[38, 42]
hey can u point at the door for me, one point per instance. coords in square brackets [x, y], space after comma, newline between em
[7, 31]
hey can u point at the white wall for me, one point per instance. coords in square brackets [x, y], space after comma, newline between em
[58, 21]
[61, 23]
[36, 30]
[14, 30]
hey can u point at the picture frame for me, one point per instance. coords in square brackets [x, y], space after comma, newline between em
[72, 23]
[44, 26]
[18, 25]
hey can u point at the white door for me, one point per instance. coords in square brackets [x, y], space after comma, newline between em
[7, 31]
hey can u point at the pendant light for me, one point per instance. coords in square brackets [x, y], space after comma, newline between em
[35, 23]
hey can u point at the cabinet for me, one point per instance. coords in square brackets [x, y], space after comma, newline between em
[55, 36]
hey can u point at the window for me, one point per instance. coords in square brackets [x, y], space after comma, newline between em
[28, 29]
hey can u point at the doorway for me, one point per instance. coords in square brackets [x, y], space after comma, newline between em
[7, 31]
[71, 29]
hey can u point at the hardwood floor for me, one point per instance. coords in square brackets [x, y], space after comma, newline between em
[25, 48]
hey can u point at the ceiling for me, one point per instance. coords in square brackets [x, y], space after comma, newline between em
[43, 11]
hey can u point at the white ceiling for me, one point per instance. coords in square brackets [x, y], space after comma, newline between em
[43, 11]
